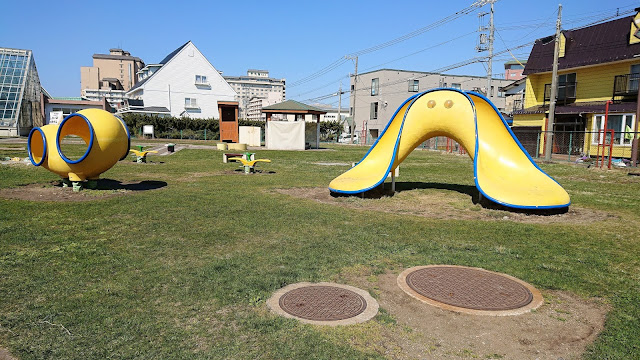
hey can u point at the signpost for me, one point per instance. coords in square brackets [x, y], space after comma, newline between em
[55, 117]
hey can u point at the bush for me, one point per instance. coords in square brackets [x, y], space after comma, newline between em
[170, 127]
[330, 130]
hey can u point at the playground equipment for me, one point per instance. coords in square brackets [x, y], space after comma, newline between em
[141, 156]
[106, 136]
[246, 155]
[503, 171]
[248, 162]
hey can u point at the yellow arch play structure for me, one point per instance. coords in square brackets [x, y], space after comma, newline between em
[504, 173]
[106, 136]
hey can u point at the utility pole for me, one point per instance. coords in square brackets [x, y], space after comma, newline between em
[353, 93]
[548, 139]
[490, 63]
[485, 42]
[340, 107]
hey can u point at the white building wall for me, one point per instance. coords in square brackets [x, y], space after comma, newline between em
[176, 80]
[393, 90]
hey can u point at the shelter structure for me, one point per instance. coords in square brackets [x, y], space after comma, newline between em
[293, 111]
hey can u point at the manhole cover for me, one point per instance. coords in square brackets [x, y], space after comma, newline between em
[464, 288]
[324, 303]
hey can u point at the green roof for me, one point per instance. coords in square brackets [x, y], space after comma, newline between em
[67, 98]
[516, 62]
[292, 105]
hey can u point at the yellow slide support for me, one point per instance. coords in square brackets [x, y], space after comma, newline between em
[504, 173]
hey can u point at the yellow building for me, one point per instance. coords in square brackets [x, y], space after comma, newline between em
[597, 64]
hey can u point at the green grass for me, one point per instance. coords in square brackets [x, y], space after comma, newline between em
[183, 272]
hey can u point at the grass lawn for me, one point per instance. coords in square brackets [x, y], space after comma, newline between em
[183, 271]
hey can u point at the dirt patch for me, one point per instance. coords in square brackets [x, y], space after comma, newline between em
[4, 355]
[446, 202]
[561, 328]
[241, 172]
[53, 191]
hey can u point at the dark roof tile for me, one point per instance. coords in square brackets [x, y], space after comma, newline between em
[597, 44]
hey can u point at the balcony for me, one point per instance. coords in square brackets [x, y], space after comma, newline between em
[566, 93]
[625, 86]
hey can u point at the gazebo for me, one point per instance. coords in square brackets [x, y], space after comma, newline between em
[292, 107]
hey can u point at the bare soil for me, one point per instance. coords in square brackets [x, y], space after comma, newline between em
[446, 202]
[4, 355]
[53, 191]
[560, 329]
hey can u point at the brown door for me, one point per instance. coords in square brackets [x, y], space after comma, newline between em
[228, 124]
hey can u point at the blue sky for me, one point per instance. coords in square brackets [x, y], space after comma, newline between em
[291, 39]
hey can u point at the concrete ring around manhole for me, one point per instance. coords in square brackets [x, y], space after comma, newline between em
[323, 303]
[470, 290]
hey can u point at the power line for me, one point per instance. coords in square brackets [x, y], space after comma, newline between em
[620, 12]
[420, 51]
[342, 60]
[319, 73]
[477, 4]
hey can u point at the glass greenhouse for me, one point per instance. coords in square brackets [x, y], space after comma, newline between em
[20, 93]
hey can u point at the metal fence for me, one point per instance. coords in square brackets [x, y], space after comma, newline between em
[576, 145]
[572, 146]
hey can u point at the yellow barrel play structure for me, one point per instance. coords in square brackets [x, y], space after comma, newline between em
[106, 136]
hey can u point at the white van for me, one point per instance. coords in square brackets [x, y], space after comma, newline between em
[345, 138]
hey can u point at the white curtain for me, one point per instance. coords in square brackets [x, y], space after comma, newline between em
[285, 135]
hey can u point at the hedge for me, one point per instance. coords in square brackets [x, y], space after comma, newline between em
[188, 128]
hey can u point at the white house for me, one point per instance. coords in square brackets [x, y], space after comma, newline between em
[184, 83]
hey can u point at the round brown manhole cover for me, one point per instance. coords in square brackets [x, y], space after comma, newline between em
[324, 303]
[470, 290]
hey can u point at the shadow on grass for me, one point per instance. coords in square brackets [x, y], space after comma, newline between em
[472, 191]
[109, 184]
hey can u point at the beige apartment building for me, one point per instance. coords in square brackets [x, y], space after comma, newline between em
[381, 92]
[110, 77]
[255, 87]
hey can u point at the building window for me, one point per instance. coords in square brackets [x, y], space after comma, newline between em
[374, 111]
[633, 79]
[414, 85]
[190, 103]
[621, 124]
[456, 86]
[567, 86]
[375, 83]
[201, 80]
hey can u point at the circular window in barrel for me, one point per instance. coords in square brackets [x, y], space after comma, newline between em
[324, 303]
[470, 290]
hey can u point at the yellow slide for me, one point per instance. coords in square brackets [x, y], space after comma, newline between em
[503, 171]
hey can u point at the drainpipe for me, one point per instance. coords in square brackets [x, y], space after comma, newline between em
[634, 142]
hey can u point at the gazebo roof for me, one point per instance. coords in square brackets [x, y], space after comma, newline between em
[292, 107]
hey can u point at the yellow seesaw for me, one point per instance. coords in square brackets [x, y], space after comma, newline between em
[249, 165]
[141, 156]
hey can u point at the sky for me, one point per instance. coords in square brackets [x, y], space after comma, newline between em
[304, 42]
